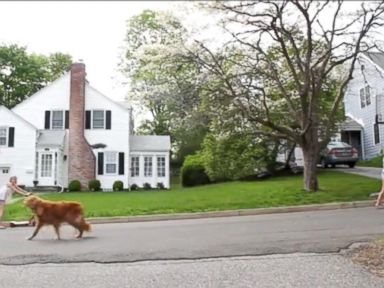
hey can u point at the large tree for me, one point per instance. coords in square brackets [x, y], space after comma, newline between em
[164, 81]
[288, 64]
[22, 74]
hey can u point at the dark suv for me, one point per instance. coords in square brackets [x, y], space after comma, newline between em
[338, 153]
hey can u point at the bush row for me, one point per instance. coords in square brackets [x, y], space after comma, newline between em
[95, 185]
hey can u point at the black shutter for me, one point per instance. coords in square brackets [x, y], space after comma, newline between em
[108, 119]
[47, 123]
[66, 119]
[87, 119]
[121, 163]
[100, 163]
[11, 136]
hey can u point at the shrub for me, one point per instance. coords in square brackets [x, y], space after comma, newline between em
[193, 172]
[118, 185]
[94, 185]
[74, 185]
[134, 187]
[160, 185]
[147, 186]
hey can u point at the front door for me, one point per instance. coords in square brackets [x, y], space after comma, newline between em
[46, 169]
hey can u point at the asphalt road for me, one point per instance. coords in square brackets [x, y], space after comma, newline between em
[277, 271]
[321, 231]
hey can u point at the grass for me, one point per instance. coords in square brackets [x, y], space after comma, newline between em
[281, 191]
[374, 162]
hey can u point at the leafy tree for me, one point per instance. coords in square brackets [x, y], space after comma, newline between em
[280, 69]
[164, 80]
[23, 74]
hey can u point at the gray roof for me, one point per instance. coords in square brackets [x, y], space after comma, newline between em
[51, 138]
[150, 143]
[376, 57]
[350, 125]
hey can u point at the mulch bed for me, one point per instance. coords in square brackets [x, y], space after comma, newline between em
[370, 256]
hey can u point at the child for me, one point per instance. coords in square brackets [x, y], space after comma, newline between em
[6, 192]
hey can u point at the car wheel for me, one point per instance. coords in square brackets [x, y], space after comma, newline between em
[351, 165]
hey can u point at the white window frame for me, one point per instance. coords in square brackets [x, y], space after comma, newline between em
[161, 168]
[148, 169]
[106, 162]
[363, 96]
[63, 119]
[135, 168]
[104, 119]
[6, 136]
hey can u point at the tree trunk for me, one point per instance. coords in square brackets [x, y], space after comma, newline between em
[310, 162]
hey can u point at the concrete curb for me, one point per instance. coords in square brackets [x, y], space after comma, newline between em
[231, 213]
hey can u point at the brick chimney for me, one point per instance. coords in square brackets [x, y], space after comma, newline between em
[81, 160]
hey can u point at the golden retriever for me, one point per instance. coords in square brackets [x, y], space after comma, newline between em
[55, 213]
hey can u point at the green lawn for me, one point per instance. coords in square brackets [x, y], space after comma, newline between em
[282, 191]
[374, 162]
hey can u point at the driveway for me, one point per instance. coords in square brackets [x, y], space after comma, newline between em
[371, 172]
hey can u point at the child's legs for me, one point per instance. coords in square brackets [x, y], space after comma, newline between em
[2, 204]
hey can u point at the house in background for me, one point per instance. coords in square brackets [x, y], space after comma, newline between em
[70, 131]
[364, 103]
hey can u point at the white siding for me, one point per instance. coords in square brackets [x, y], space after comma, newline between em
[53, 97]
[366, 116]
[116, 139]
[21, 157]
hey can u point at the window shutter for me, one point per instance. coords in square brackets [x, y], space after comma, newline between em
[121, 163]
[66, 119]
[47, 123]
[108, 119]
[87, 119]
[11, 136]
[100, 163]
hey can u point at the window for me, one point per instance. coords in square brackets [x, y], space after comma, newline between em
[98, 119]
[135, 166]
[57, 119]
[46, 165]
[365, 96]
[3, 136]
[148, 166]
[376, 133]
[161, 166]
[110, 162]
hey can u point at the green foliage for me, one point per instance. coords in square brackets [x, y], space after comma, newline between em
[238, 155]
[134, 187]
[147, 186]
[74, 185]
[118, 185]
[193, 172]
[94, 185]
[164, 80]
[23, 74]
[160, 186]
[374, 162]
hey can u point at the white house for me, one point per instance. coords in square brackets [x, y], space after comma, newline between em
[363, 103]
[70, 131]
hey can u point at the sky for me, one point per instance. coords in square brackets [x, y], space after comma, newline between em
[92, 31]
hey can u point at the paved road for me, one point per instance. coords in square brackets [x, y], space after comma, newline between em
[277, 271]
[322, 231]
